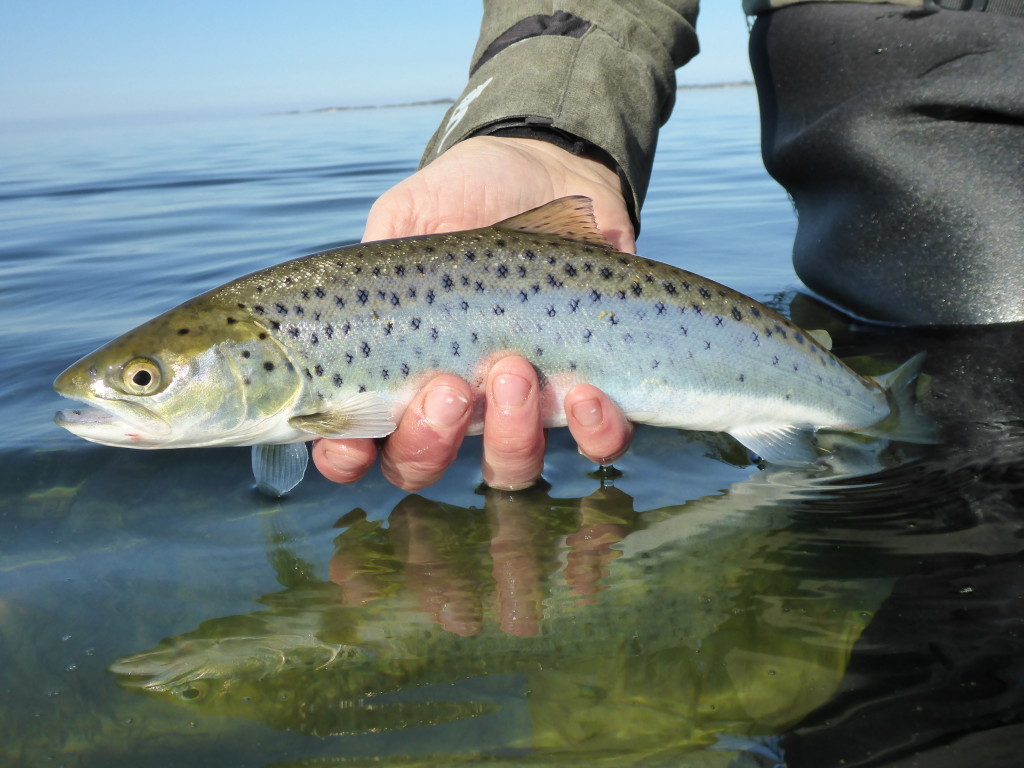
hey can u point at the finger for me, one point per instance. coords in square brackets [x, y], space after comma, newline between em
[601, 431]
[344, 461]
[513, 436]
[429, 435]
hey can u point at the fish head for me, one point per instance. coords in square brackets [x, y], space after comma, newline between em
[197, 375]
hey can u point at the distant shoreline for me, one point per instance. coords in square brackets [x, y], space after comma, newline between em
[441, 102]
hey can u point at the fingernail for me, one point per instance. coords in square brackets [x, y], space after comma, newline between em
[444, 407]
[588, 413]
[510, 391]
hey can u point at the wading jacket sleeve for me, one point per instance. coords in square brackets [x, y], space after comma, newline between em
[593, 76]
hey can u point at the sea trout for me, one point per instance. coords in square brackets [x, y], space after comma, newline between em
[336, 344]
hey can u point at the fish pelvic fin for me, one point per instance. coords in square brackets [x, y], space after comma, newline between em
[905, 422]
[571, 217]
[365, 414]
[279, 468]
[792, 444]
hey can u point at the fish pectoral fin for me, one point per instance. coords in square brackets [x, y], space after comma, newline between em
[279, 468]
[362, 415]
[790, 444]
[571, 217]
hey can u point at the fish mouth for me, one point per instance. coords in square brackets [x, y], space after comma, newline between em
[119, 423]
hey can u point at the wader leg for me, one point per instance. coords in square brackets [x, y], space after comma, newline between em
[899, 134]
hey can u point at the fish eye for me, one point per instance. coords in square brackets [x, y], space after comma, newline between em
[141, 376]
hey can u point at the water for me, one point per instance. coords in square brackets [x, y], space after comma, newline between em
[685, 609]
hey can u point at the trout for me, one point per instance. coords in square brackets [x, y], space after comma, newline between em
[335, 345]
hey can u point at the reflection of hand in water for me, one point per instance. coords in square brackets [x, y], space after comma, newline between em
[462, 565]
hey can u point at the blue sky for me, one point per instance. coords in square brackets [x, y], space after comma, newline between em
[87, 58]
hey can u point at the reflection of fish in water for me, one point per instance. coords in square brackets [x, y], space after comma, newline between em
[335, 344]
[697, 633]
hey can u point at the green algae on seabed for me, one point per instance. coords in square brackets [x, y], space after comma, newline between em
[594, 633]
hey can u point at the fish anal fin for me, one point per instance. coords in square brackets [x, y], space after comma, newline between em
[788, 444]
[279, 468]
[362, 415]
[571, 217]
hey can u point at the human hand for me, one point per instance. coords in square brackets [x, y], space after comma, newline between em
[476, 183]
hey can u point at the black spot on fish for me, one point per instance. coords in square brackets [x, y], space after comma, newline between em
[464, 306]
[246, 380]
[474, 337]
[775, 360]
[382, 295]
[329, 331]
[529, 255]
[262, 335]
[660, 307]
[362, 296]
[240, 305]
[554, 282]
[365, 348]
[464, 281]
[612, 319]
[246, 353]
[655, 363]
[421, 269]
[574, 304]
[434, 333]
[551, 310]
[621, 295]
[780, 330]
[572, 365]
[362, 387]
[405, 369]
[587, 334]
[539, 351]
[470, 256]
[375, 271]
[479, 286]
[259, 289]
[698, 310]
[522, 271]
[268, 366]
[685, 330]
[349, 358]
[281, 309]
[628, 338]
[308, 374]
[337, 380]
[524, 296]
[499, 310]
[535, 289]
[299, 310]
[182, 331]
[415, 323]
[430, 297]
[595, 295]
[798, 338]
[736, 314]
[707, 345]
[275, 325]
[319, 292]
[704, 292]
[293, 331]
[428, 249]
[755, 311]
[339, 301]
[755, 338]
[384, 374]
[570, 270]
[388, 328]
[718, 321]
[669, 287]
[314, 339]
[231, 321]
[637, 288]
[455, 349]
[796, 367]
[304, 294]
[359, 268]
[287, 281]
[606, 273]
[400, 270]
[502, 270]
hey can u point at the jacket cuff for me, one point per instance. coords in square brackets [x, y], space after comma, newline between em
[587, 86]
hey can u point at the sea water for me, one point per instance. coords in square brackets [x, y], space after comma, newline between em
[685, 608]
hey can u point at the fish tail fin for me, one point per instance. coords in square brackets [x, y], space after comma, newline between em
[906, 423]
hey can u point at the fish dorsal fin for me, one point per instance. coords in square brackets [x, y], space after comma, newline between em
[822, 337]
[361, 415]
[571, 217]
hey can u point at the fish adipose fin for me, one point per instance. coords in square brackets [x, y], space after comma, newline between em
[779, 445]
[571, 217]
[362, 415]
[279, 468]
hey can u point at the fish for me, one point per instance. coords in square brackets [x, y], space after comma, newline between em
[337, 343]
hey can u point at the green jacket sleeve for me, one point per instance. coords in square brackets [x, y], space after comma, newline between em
[601, 71]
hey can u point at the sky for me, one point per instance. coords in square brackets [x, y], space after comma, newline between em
[93, 58]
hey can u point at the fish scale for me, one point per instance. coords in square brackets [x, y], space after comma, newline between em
[336, 344]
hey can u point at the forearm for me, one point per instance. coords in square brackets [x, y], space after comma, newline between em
[602, 74]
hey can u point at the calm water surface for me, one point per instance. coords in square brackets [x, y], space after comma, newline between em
[684, 609]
